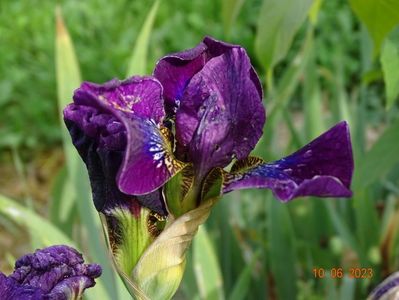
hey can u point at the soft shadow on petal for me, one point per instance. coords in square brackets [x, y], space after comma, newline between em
[221, 115]
[322, 168]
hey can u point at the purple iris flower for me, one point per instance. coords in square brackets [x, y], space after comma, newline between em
[200, 111]
[53, 273]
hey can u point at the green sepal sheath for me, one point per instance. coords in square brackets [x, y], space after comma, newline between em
[149, 252]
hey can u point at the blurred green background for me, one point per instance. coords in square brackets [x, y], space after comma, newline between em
[320, 62]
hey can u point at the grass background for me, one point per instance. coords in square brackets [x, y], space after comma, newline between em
[319, 61]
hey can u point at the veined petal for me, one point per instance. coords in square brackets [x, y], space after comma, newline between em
[140, 96]
[322, 168]
[221, 115]
[103, 154]
[216, 48]
[175, 70]
[148, 161]
[99, 121]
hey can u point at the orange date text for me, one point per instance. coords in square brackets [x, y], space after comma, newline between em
[356, 273]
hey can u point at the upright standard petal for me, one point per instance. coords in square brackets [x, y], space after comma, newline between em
[56, 272]
[221, 115]
[322, 168]
[175, 70]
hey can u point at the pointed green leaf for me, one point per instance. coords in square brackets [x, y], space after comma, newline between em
[379, 16]
[390, 68]
[138, 60]
[278, 22]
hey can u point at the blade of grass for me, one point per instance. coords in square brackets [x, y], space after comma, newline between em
[68, 78]
[138, 61]
[340, 226]
[243, 283]
[283, 257]
[347, 290]
[206, 267]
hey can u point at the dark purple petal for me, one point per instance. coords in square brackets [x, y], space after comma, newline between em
[140, 96]
[389, 289]
[11, 289]
[175, 70]
[56, 272]
[103, 164]
[216, 48]
[99, 121]
[148, 161]
[322, 168]
[103, 128]
[71, 288]
[221, 115]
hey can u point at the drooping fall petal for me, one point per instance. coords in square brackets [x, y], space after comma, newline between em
[100, 139]
[322, 168]
[148, 161]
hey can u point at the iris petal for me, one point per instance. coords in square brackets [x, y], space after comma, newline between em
[322, 168]
[140, 96]
[99, 121]
[56, 272]
[221, 115]
[103, 151]
[11, 289]
[175, 70]
[148, 161]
